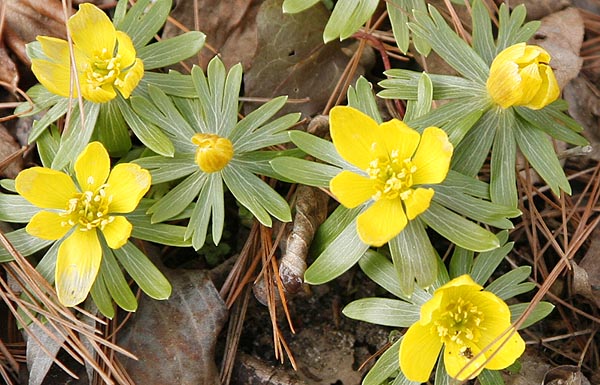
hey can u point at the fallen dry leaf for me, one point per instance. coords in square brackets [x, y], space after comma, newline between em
[230, 28]
[9, 168]
[537, 9]
[175, 339]
[584, 106]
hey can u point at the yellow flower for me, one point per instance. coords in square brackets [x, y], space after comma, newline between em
[521, 76]
[395, 160]
[464, 320]
[105, 59]
[213, 152]
[84, 207]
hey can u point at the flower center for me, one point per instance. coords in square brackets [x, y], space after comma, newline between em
[89, 210]
[459, 322]
[104, 69]
[393, 176]
[213, 152]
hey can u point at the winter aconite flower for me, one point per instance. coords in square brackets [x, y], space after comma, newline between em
[521, 76]
[104, 57]
[396, 162]
[465, 321]
[213, 152]
[79, 211]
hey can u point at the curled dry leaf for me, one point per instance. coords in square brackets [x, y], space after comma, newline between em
[175, 339]
[311, 211]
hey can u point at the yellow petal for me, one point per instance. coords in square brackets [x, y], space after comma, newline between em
[131, 79]
[381, 222]
[55, 77]
[463, 364]
[354, 135]
[47, 225]
[127, 184]
[77, 265]
[94, 94]
[506, 354]
[45, 188]
[463, 280]
[548, 91]
[351, 189]
[117, 232]
[92, 31]
[125, 49]
[432, 157]
[92, 167]
[397, 137]
[57, 50]
[530, 82]
[417, 202]
[419, 350]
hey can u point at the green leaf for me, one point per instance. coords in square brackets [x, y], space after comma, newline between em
[413, 257]
[76, 137]
[381, 270]
[458, 230]
[48, 144]
[41, 97]
[385, 367]
[258, 162]
[245, 128]
[451, 48]
[333, 226]
[304, 171]
[461, 262]
[339, 256]
[537, 148]
[257, 196]
[24, 243]
[146, 132]
[361, 97]
[509, 27]
[398, 15]
[467, 185]
[102, 298]
[112, 129]
[172, 83]
[483, 40]
[143, 20]
[347, 17]
[270, 134]
[171, 51]
[176, 200]
[503, 179]
[509, 284]
[471, 152]
[490, 377]
[319, 148]
[403, 84]
[474, 208]
[540, 312]
[555, 123]
[170, 235]
[53, 114]
[113, 277]
[487, 262]
[295, 6]
[383, 311]
[144, 273]
[16, 209]
[421, 106]
[166, 169]
[209, 200]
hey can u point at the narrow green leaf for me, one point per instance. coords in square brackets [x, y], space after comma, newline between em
[461, 262]
[166, 169]
[164, 234]
[270, 134]
[172, 83]
[467, 185]
[333, 226]
[119, 13]
[42, 98]
[383, 311]
[339, 256]
[422, 105]
[483, 40]
[144, 19]
[540, 312]
[57, 110]
[76, 137]
[258, 162]
[458, 230]
[257, 196]
[48, 144]
[361, 97]
[471, 152]
[295, 6]
[319, 148]
[347, 17]
[115, 281]
[399, 18]
[171, 51]
[385, 367]
[112, 130]
[490, 377]
[176, 200]
[144, 273]
[487, 262]
[24, 243]
[304, 171]
[509, 284]
[554, 123]
[16, 209]
[102, 298]
[537, 148]
[245, 128]
[503, 179]
[509, 26]
[402, 84]
[146, 132]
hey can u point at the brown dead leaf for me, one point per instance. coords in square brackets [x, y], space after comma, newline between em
[175, 339]
[537, 9]
[8, 69]
[586, 276]
[292, 60]
[584, 106]
[230, 28]
[565, 375]
[561, 34]
[10, 166]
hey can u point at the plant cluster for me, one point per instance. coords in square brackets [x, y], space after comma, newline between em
[397, 181]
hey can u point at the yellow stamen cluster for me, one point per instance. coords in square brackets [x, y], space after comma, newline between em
[460, 323]
[104, 68]
[394, 176]
[89, 210]
[213, 152]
